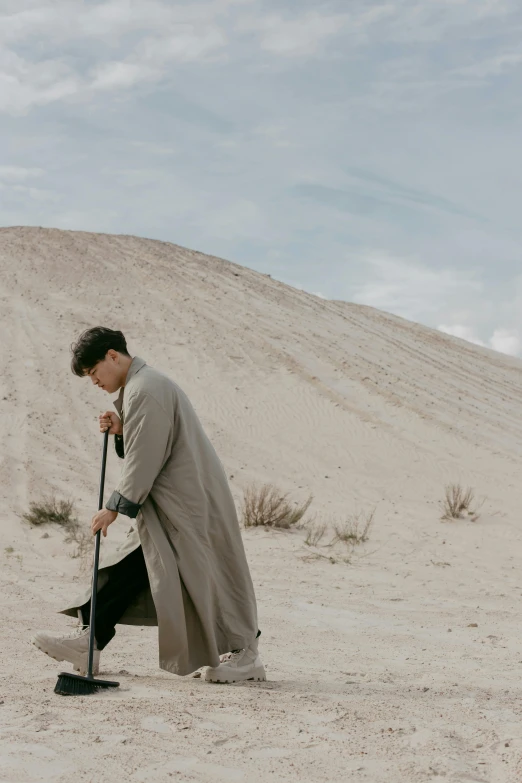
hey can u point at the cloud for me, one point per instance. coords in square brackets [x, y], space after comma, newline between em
[506, 341]
[115, 75]
[367, 149]
[154, 149]
[276, 134]
[239, 219]
[431, 21]
[297, 35]
[131, 42]
[18, 173]
[419, 293]
[18, 189]
[184, 43]
[369, 194]
[389, 189]
[502, 340]
[36, 194]
[13, 195]
[24, 84]
[109, 21]
[409, 288]
[160, 35]
[462, 331]
[493, 66]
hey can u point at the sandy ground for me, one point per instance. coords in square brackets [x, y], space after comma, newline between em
[402, 665]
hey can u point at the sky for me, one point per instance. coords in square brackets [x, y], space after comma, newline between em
[361, 150]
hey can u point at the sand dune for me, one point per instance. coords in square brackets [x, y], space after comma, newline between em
[376, 669]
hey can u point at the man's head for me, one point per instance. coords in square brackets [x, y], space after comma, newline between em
[102, 354]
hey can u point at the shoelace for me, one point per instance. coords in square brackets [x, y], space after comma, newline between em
[231, 656]
[77, 632]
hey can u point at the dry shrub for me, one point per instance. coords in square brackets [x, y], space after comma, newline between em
[355, 529]
[51, 511]
[84, 544]
[457, 503]
[311, 556]
[315, 533]
[269, 507]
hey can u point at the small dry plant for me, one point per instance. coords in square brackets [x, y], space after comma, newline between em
[355, 529]
[51, 511]
[267, 506]
[84, 543]
[315, 533]
[458, 502]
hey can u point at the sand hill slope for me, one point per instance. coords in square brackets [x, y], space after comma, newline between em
[403, 665]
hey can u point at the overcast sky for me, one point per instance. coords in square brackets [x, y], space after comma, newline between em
[367, 151]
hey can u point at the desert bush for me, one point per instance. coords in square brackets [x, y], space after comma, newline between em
[352, 532]
[315, 533]
[267, 506]
[83, 540]
[311, 556]
[355, 529]
[51, 511]
[457, 503]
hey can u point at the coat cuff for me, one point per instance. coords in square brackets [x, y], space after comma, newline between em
[120, 504]
[118, 445]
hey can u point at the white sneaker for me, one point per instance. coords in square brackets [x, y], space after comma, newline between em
[73, 647]
[238, 667]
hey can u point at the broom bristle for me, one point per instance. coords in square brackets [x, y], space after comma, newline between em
[77, 685]
[73, 686]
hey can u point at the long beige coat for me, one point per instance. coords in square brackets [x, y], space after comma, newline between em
[175, 487]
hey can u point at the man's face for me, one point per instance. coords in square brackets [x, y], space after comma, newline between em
[107, 373]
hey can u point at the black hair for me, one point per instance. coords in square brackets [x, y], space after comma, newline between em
[92, 346]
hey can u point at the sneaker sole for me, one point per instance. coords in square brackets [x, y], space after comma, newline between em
[258, 675]
[77, 667]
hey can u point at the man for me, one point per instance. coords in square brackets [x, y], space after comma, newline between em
[184, 567]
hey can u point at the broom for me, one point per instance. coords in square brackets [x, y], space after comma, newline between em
[75, 684]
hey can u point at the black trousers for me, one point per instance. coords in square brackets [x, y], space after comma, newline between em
[127, 579]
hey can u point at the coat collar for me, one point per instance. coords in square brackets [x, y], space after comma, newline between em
[135, 366]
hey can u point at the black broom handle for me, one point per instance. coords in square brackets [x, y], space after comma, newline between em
[94, 589]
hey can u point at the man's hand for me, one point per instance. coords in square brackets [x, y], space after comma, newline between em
[102, 520]
[112, 421]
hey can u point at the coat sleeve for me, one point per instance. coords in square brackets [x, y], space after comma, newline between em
[147, 431]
